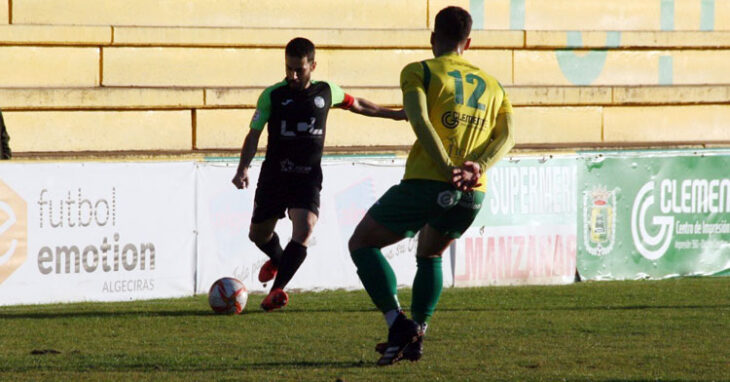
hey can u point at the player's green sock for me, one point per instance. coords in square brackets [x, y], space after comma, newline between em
[377, 277]
[426, 288]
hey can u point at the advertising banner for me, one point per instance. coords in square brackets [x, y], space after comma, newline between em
[654, 216]
[349, 188]
[525, 232]
[96, 231]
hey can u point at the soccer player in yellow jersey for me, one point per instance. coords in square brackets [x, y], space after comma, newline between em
[462, 120]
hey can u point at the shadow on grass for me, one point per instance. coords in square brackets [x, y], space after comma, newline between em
[309, 365]
[208, 313]
[47, 315]
[586, 308]
[165, 313]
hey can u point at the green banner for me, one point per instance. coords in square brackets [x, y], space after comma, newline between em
[643, 216]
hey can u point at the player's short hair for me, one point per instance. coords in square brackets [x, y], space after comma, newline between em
[300, 47]
[453, 24]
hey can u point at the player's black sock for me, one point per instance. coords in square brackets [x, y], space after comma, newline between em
[293, 257]
[273, 249]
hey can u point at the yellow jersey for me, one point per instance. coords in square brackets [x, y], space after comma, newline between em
[463, 104]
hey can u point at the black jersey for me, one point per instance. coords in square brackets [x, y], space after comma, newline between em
[296, 128]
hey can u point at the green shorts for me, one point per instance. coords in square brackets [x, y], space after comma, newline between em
[406, 207]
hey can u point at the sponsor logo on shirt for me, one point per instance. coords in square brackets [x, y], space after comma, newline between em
[452, 119]
[290, 167]
[319, 102]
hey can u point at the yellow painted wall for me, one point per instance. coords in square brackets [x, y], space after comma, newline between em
[542, 67]
[224, 13]
[322, 38]
[33, 131]
[217, 67]
[557, 95]
[55, 35]
[190, 71]
[557, 125]
[4, 17]
[99, 130]
[247, 97]
[224, 128]
[676, 124]
[671, 94]
[631, 39]
[589, 14]
[402, 14]
[100, 98]
[48, 66]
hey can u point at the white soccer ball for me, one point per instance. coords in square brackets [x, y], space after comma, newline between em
[227, 296]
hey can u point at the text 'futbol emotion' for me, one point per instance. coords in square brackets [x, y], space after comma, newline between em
[227, 296]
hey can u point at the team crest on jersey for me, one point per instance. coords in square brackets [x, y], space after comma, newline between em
[319, 102]
[256, 115]
[599, 219]
[446, 199]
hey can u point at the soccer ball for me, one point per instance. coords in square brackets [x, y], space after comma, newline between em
[227, 296]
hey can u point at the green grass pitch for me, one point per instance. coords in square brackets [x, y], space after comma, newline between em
[676, 329]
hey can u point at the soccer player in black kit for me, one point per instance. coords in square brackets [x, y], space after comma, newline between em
[291, 176]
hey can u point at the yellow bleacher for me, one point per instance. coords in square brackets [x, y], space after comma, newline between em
[183, 75]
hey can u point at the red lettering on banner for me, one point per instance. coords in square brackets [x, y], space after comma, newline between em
[559, 254]
[503, 253]
[473, 248]
[546, 251]
[570, 265]
[490, 265]
[519, 265]
[505, 258]
[532, 256]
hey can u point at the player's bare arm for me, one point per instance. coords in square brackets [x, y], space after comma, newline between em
[370, 109]
[417, 111]
[248, 151]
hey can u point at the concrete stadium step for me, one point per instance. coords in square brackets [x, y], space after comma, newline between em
[402, 14]
[594, 14]
[535, 126]
[99, 98]
[417, 38]
[216, 13]
[225, 129]
[68, 56]
[106, 36]
[110, 98]
[327, 37]
[31, 66]
[525, 95]
[73, 131]
[196, 67]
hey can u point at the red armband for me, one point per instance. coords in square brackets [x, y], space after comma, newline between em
[347, 102]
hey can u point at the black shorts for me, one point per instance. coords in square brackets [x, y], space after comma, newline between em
[273, 199]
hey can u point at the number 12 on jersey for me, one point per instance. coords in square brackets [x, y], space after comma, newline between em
[473, 100]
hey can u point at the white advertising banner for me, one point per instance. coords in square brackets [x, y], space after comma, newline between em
[349, 188]
[127, 231]
[526, 230]
[96, 231]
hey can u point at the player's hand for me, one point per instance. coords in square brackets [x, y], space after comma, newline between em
[466, 177]
[240, 180]
[401, 115]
